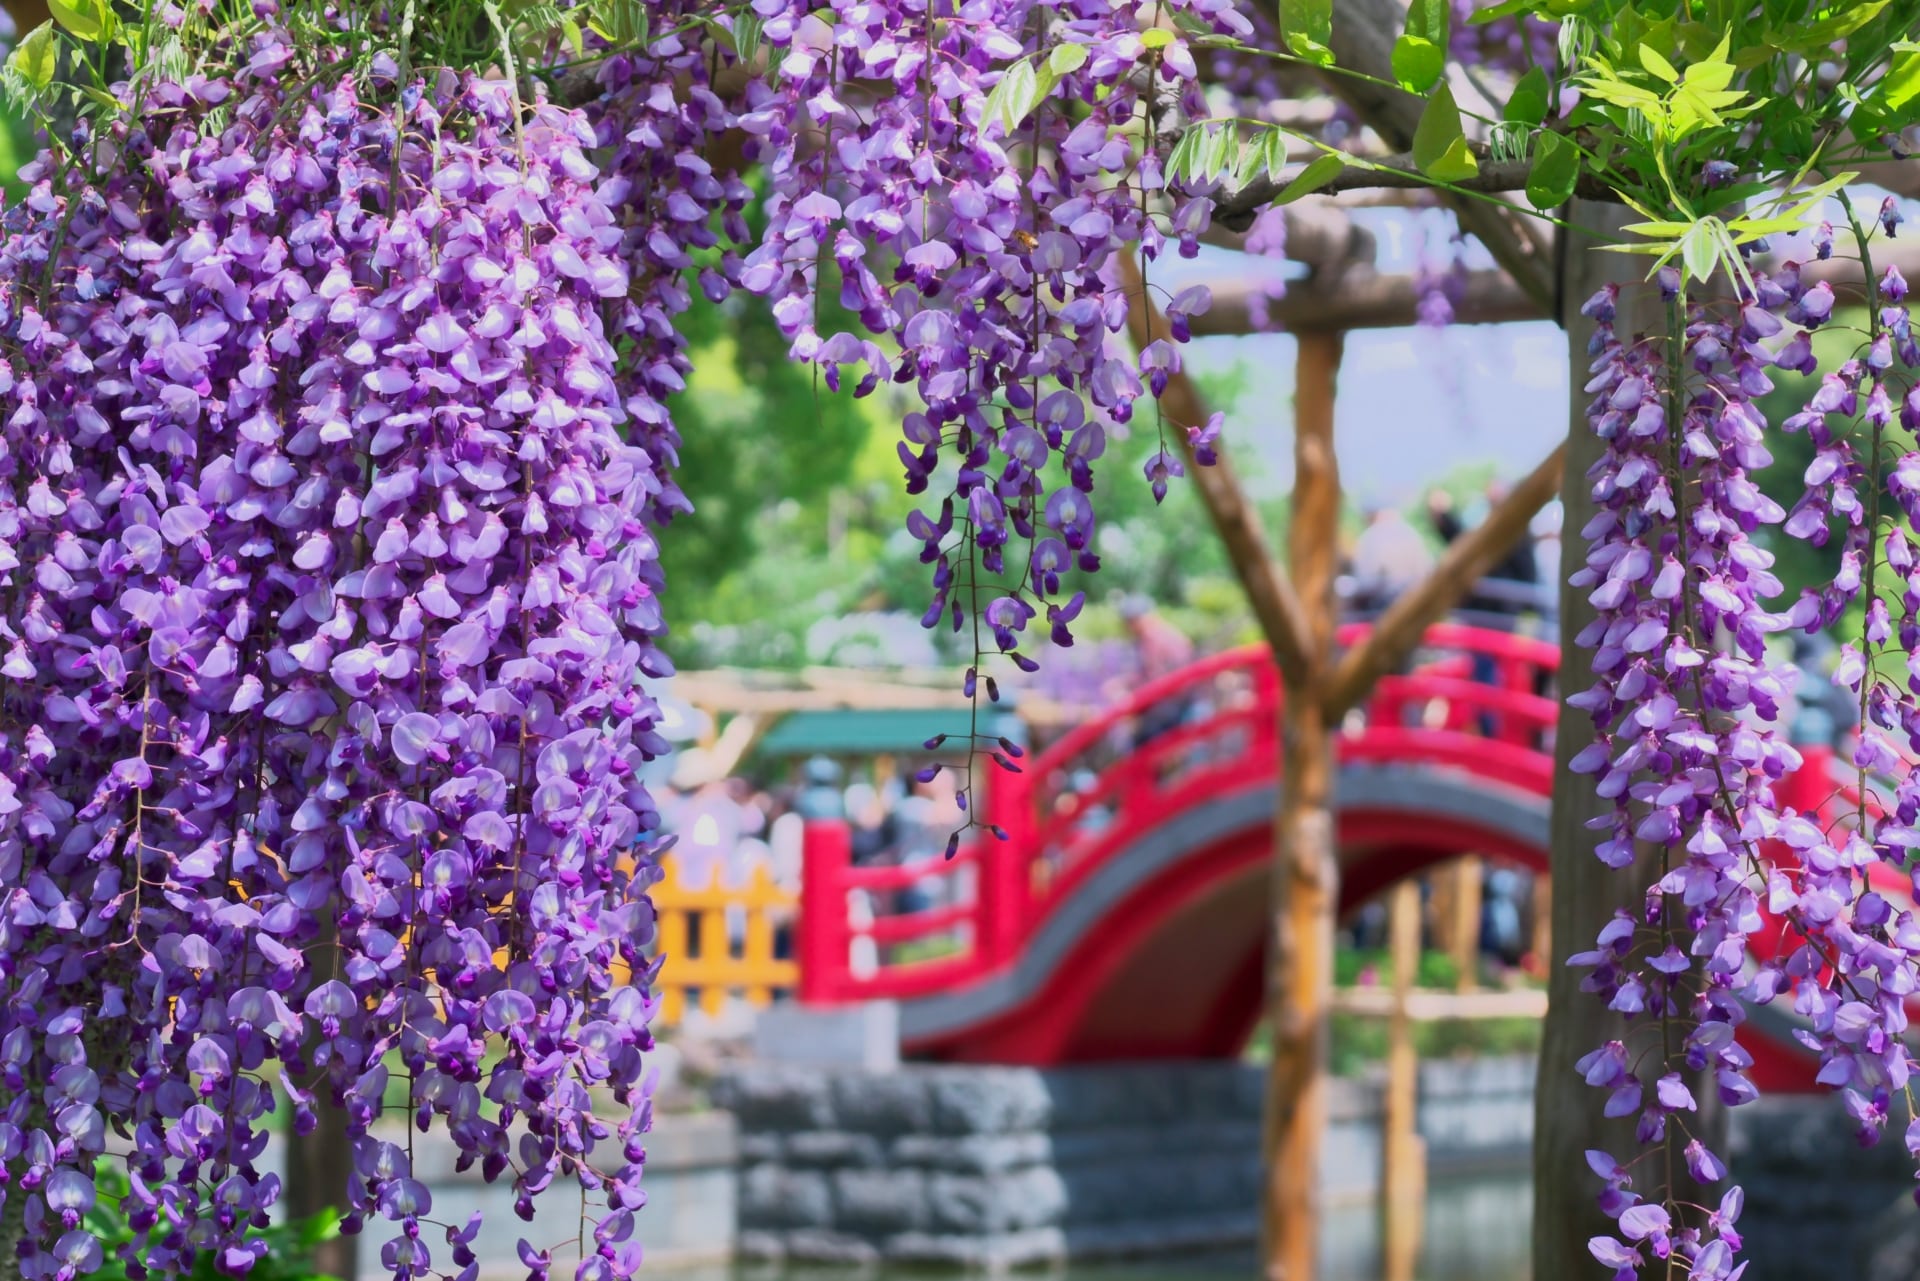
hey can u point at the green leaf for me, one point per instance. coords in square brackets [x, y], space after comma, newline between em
[88, 19]
[37, 57]
[576, 38]
[103, 98]
[1848, 17]
[1660, 230]
[1156, 38]
[1417, 63]
[1528, 103]
[1438, 142]
[1555, 173]
[1700, 250]
[1901, 85]
[1552, 10]
[1309, 27]
[1481, 17]
[1429, 20]
[1179, 165]
[1604, 83]
[1067, 59]
[1273, 151]
[1456, 164]
[1312, 178]
[1222, 146]
[1650, 59]
[1014, 97]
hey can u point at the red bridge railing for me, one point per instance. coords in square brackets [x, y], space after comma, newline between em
[1475, 700]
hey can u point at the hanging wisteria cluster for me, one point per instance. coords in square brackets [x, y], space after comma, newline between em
[1687, 705]
[337, 444]
[335, 450]
[978, 235]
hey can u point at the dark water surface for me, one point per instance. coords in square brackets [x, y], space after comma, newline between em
[1477, 1229]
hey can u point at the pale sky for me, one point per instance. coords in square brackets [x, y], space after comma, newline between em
[1413, 404]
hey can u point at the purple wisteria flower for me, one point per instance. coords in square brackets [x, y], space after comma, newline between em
[1686, 705]
[335, 448]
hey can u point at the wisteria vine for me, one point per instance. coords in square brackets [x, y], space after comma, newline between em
[980, 243]
[1687, 705]
[336, 388]
[335, 448]
[338, 444]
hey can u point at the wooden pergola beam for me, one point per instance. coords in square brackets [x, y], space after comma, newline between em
[1321, 236]
[1397, 633]
[1361, 299]
[1358, 300]
[1282, 619]
[1363, 36]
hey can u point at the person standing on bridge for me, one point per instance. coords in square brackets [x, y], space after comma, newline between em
[1388, 558]
[1160, 649]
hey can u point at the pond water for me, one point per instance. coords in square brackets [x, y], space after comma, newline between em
[1477, 1230]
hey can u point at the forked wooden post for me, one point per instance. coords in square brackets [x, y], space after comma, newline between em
[1296, 616]
[1403, 1154]
[1305, 872]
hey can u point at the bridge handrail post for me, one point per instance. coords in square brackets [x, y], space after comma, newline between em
[1005, 874]
[822, 936]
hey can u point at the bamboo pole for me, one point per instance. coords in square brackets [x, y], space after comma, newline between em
[1403, 1154]
[1305, 871]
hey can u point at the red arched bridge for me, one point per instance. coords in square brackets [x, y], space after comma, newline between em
[1125, 915]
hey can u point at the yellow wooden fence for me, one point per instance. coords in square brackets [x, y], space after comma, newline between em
[712, 959]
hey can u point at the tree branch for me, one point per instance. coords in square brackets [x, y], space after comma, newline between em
[1397, 634]
[1282, 617]
[1362, 41]
[1237, 209]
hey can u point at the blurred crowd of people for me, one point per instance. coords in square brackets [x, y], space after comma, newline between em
[1391, 554]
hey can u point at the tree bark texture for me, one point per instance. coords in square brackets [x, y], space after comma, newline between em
[1567, 1111]
[320, 1163]
[1305, 871]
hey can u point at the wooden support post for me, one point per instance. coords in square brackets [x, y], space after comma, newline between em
[1403, 1154]
[1463, 930]
[1540, 945]
[1305, 871]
